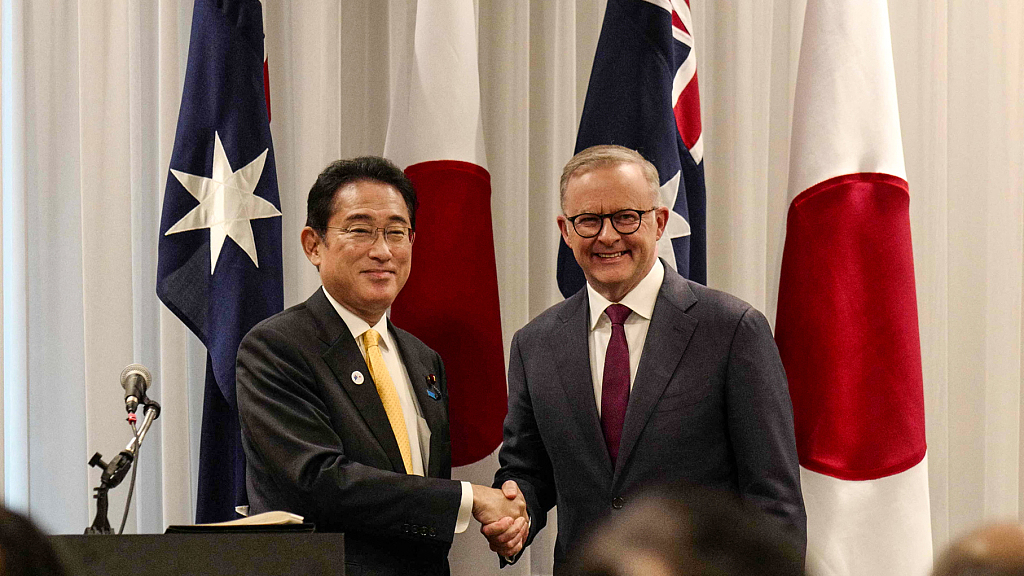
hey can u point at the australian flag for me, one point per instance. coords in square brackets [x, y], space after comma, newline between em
[643, 95]
[219, 265]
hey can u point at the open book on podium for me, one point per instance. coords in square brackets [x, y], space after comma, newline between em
[274, 521]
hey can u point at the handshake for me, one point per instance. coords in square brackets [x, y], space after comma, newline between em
[503, 518]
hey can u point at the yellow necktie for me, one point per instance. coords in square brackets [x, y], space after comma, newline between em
[388, 394]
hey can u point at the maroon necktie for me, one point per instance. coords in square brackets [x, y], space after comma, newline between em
[615, 386]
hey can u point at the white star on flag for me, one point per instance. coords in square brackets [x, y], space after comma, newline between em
[677, 226]
[226, 203]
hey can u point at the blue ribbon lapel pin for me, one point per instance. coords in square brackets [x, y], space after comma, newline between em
[432, 390]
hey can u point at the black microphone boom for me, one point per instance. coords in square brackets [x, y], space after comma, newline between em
[135, 379]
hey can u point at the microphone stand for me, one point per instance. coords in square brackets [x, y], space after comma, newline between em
[115, 471]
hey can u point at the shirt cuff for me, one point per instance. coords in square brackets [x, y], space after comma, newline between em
[465, 508]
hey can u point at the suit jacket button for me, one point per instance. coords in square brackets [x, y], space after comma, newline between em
[405, 528]
[617, 503]
[433, 532]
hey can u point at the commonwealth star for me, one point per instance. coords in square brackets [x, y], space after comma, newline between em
[677, 226]
[226, 203]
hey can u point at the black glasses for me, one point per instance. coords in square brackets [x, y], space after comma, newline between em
[588, 225]
[364, 234]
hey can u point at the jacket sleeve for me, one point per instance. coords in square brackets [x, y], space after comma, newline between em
[523, 456]
[760, 421]
[297, 460]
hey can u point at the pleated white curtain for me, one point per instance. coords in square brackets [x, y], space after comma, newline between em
[90, 93]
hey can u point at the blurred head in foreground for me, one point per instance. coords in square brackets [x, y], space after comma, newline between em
[24, 550]
[994, 550]
[688, 532]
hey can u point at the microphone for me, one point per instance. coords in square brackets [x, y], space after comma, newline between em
[135, 379]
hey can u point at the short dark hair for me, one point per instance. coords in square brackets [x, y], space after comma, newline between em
[700, 532]
[337, 174]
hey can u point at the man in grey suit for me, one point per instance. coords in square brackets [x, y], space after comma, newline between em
[642, 376]
[344, 416]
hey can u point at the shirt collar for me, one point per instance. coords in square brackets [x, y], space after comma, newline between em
[640, 299]
[357, 326]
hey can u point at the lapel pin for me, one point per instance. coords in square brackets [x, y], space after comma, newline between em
[432, 390]
[357, 377]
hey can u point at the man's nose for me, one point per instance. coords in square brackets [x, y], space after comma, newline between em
[379, 247]
[608, 234]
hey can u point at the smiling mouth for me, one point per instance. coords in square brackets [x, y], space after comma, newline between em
[610, 254]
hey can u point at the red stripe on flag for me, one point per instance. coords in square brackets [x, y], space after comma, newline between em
[451, 299]
[847, 328]
[687, 113]
[677, 22]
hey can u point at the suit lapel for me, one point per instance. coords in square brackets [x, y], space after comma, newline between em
[667, 336]
[570, 343]
[344, 359]
[433, 410]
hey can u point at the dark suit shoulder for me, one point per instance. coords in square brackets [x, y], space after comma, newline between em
[409, 339]
[703, 302]
[295, 322]
[554, 316]
[718, 301]
[413, 346]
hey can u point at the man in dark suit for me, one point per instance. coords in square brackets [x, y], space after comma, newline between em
[642, 376]
[344, 416]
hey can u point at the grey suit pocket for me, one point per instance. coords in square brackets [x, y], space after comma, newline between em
[676, 399]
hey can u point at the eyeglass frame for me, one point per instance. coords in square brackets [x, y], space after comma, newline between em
[610, 216]
[409, 231]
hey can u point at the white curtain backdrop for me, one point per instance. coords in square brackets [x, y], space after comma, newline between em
[90, 93]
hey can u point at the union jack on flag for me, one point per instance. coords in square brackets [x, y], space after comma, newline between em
[643, 95]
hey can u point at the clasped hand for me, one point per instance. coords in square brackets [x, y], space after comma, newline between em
[502, 515]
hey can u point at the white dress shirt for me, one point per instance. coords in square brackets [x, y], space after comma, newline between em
[641, 301]
[415, 424]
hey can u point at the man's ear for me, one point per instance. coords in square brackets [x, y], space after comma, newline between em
[312, 243]
[563, 227]
[661, 219]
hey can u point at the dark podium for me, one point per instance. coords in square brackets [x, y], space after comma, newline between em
[214, 554]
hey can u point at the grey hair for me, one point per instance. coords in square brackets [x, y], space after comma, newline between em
[608, 155]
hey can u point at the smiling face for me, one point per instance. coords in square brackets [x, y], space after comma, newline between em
[366, 278]
[613, 263]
